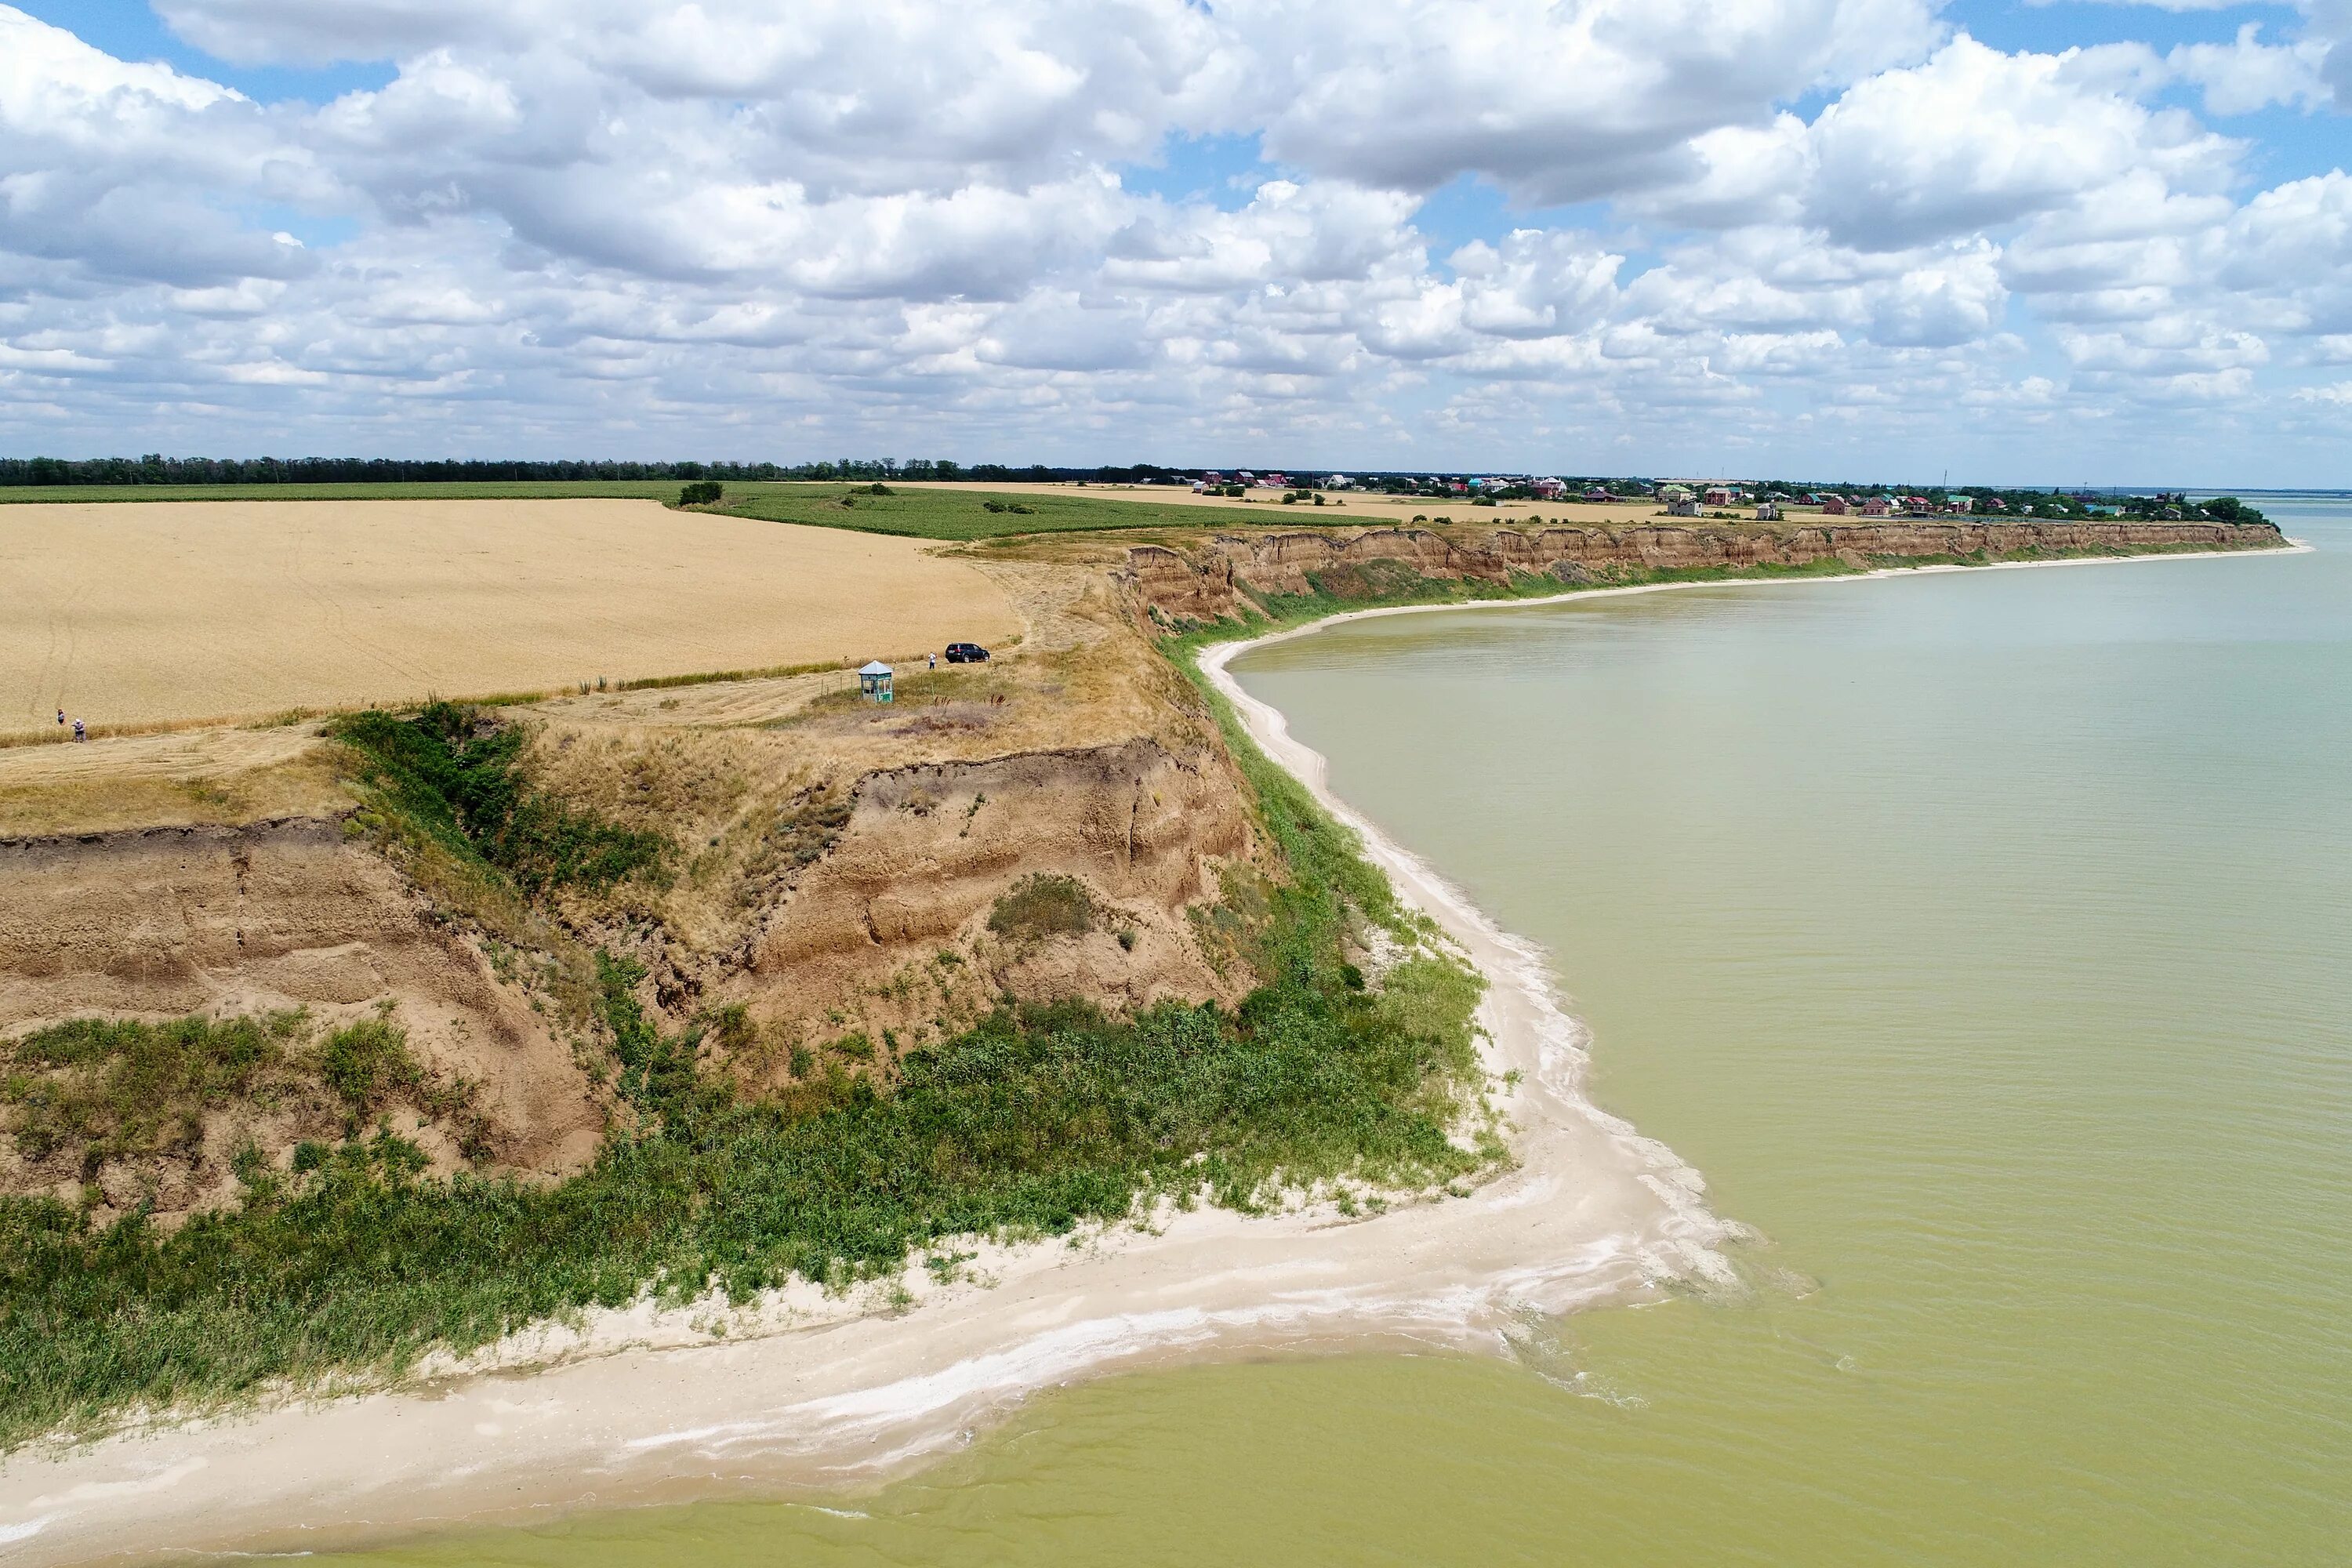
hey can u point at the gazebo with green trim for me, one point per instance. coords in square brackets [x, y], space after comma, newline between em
[874, 682]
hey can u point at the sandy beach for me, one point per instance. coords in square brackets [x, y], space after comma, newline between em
[803, 1390]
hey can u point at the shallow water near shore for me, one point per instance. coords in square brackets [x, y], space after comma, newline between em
[1985, 937]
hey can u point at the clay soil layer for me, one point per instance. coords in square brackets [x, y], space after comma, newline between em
[144, 613]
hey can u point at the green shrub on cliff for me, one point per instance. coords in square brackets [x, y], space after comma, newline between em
[1044, 905]
[451, 776]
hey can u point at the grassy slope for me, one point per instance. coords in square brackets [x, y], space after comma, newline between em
[1039, 1120]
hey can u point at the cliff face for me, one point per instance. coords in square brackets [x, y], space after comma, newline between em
[1209, 581]
[927, 851]
[868, 916]
[239, 920]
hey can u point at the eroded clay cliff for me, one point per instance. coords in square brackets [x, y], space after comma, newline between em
[227, 922]
[1210, 580]
[832, 897]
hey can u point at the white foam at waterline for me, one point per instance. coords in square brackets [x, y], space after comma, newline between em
[1073, 1351]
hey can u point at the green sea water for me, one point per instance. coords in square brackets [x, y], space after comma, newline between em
[1987, 940]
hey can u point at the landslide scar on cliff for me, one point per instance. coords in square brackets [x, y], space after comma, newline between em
[913, 866]
[275, 918]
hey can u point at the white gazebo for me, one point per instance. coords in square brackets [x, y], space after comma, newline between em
[874, 682]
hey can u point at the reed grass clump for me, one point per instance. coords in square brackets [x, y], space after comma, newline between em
[366, 1063]
[119, 1089]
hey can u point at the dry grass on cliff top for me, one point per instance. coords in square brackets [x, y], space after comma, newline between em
[220, 775]
[1469, 527]
[968, 513]
[1168, 506]
[701, 761]
[1079, 676]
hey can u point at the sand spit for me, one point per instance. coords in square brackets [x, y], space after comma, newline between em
[806, 1390]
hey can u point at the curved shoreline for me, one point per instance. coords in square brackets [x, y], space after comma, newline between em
[807, 1391]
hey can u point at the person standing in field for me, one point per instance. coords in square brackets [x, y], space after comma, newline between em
[81, 732]
[61, 717]
[934, 659]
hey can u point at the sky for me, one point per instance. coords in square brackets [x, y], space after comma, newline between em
[2069, 242]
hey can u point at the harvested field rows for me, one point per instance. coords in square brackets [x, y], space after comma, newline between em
[138, 613]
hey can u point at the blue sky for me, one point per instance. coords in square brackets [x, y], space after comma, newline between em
[130, 30]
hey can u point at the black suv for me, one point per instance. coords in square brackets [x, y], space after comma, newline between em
[966, 653]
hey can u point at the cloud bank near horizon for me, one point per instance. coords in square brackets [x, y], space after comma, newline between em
[1813, 235]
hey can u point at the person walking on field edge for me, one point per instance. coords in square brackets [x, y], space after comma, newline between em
[79, 732]
[934, 659]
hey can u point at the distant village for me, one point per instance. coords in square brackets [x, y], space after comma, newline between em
[1766, 502]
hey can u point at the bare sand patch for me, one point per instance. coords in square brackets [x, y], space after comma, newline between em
[144, 613]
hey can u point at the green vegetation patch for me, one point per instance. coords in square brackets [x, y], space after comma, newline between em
[961, 514]
[99, 1091]
[367, 1063]
[449, 774]
[1043, 905]
[119, 1089]
[1355, 585]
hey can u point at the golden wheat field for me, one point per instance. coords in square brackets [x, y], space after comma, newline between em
[143, 612]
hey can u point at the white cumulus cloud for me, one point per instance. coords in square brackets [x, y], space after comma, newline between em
[664, 226]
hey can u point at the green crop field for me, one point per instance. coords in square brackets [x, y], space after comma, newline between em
[958, 514]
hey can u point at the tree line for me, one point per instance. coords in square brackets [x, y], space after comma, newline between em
[157, 469]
